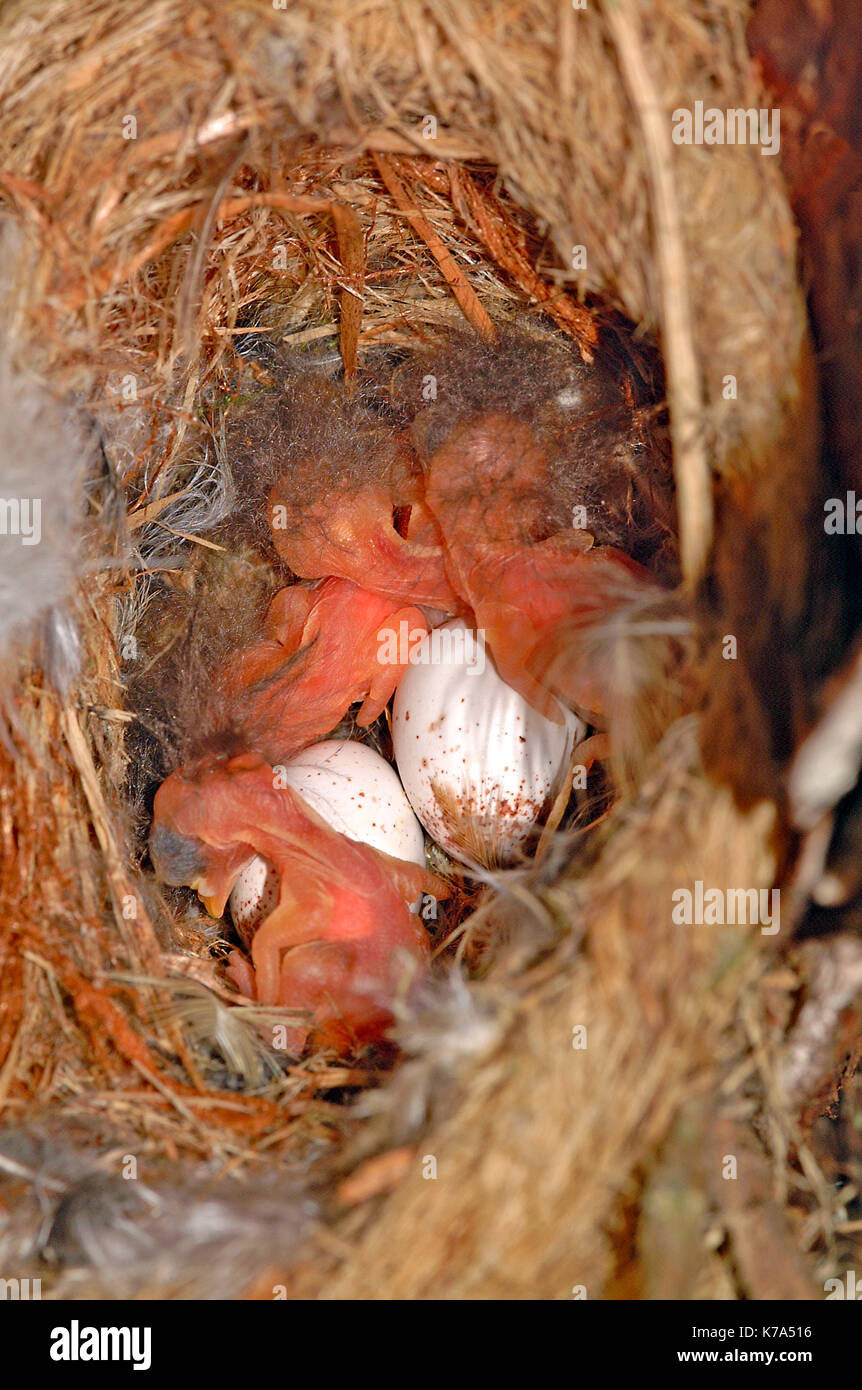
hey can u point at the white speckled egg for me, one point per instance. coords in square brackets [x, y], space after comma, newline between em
[479, 764]
[356, 792]
[254, 897]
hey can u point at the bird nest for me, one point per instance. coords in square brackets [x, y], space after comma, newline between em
[231, 227]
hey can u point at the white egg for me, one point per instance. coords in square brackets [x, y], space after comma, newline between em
[479, 764]
[254, 897]
[356, 792]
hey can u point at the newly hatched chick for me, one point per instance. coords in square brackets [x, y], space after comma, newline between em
[551, 483]
[601, 430]
[347, 527]
[342, 941]
[321, 652]
[487, 485]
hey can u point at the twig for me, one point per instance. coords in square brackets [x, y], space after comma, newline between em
[142, 943]
[382, 141]
[684, 386]
[31, 1175]
[187, 536]
[561, 801]
[141, 515]
[482, 214]
[465, 295]
[351, 249]
[7, 1071]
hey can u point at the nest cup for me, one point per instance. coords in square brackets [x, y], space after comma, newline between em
[208, 210]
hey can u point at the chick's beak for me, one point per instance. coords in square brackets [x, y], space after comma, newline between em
[215, 885]
[214, 889]
[215, 905]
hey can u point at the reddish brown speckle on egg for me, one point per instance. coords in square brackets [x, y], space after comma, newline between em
[497, 775]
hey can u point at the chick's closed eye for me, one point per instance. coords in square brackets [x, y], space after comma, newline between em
[177, 859]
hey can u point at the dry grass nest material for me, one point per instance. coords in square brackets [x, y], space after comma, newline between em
[195, 197]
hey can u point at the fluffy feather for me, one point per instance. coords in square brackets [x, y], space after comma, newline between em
[44, 452]
[188, 1238]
